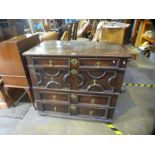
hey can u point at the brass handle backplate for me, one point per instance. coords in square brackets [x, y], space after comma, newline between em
[74, 61]
[73, 71]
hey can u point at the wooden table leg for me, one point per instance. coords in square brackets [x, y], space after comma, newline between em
[30, 94]
[5, 99]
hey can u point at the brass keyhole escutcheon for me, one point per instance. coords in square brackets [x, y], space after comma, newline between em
[50, 63]
[73, 107]
[91, 112]
[98, 64]
[73, 71]
[55, 109]
[74, 61]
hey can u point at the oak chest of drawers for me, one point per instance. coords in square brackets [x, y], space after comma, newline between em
[77, 79]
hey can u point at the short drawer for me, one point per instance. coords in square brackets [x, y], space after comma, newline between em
[59, 108]
[93, 112]
[98, 62]
[52, 97]
[97, 100]
[50, 62]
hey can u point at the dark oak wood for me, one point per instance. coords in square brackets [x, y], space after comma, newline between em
[13, 66]
[80, 49]
[77, 80]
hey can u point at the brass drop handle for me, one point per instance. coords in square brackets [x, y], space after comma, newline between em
[54, 97]
[98, 63]
[94, 82]
[93, 101]
[91, 112]
[50, 63]
[73, 96]
[55, 109]
[73, 107]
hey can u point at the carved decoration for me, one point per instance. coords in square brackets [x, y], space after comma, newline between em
[52, 82]
[53, 75]
[100, 77]
[96, 77]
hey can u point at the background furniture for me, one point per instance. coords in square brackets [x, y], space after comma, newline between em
[13, 66]
[77, 79]
[11, 28]
[49, 36]
[146, 27]
[112, 32]
[113, 35]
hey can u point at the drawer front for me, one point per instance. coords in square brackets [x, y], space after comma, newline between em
[93, 112]
[50, 62]
[57, 108]
[52, 78]
[97, 100]
[99, 62]
[52, 97]
[100, 80]
[67, 74]
[88, 105]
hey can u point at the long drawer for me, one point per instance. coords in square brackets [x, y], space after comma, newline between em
[92, 99]
[81, 62]
[102, 113]
[84, 79]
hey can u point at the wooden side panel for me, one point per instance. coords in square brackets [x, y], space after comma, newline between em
[10, 61]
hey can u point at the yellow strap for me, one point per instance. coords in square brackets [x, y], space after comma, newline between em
[136, 84]
[142, 85]
[118, 132]
[130, 84]
[110, 125]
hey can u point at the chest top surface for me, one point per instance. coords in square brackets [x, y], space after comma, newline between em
[77, 49]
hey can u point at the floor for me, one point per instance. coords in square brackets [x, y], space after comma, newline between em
[135, 112]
